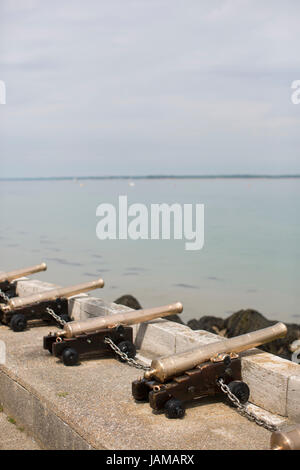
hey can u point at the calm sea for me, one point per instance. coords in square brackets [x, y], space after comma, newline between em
[250, 258]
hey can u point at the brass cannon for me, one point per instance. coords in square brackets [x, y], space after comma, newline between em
[19, 310]
[97, 335]
[286, 439]
[200, 372]
[7, 280]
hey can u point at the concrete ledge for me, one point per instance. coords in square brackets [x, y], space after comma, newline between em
[38, 418]
[274, 382]
[13, 436]
[91, 407]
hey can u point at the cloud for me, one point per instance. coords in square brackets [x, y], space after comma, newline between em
[139, 87]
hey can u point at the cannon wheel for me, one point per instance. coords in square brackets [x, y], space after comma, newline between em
[70, 357]
[128, 348]
[174, 409]
[240, 390]
[18, 322]
[140, 390]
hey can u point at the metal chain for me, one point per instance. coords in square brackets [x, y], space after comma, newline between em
[56, 317]
[4, 296]
[242, 409]
[130, 361]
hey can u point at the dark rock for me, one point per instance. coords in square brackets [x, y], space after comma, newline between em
[128, 301]
[211, 324]
[245, 321]
[175, 318]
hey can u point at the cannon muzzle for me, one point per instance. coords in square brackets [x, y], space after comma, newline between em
[52, 294]
[12, 275]
[286, 439]
[166, 367]
[76, 328]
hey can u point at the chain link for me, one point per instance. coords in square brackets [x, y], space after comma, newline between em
[130, 361]
[4, 296]
[242, 409]
[56, 317]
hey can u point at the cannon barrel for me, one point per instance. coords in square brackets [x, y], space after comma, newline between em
[12, 275]
[286, 439]
[76, 328]
[52, 294]
[170, 366]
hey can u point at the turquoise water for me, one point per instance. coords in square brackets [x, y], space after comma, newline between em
[250, 258]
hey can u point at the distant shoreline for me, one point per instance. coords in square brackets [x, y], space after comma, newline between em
[150, 177]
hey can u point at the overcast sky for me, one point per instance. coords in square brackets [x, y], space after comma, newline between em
[115, 87]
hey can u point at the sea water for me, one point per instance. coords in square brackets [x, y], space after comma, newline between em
[250, 257]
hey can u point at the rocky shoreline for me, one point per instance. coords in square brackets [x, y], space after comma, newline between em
[241, 322]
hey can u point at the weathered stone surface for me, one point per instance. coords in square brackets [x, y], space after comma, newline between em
[293, 398]
[13, 436]
[267, 376]
[36, 417]
[159, 332]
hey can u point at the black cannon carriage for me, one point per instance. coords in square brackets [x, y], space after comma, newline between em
[69, 350]
[193, 385]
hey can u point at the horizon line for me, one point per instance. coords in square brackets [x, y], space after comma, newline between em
[135, 177]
